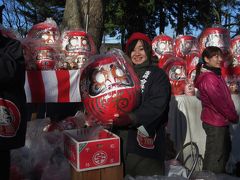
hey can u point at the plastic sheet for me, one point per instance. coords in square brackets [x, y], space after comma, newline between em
[42, 157]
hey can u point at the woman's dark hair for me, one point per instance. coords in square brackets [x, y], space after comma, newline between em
[208, 52]
[147, 48]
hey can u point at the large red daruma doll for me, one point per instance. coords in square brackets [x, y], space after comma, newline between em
[162, 47]
[215, 36]
[235, 51]
[109, 86]
[176, 70]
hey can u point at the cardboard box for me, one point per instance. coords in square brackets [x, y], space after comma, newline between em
[102, 150]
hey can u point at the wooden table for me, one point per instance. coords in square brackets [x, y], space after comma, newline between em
[109, 173]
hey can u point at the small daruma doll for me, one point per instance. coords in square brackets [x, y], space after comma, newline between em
[77, 46]
[176, 70]
[44, 57]
[109, 86]
[162, 47]
[186, 47]
[77, 41]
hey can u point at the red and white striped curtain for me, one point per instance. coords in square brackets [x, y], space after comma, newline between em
[52, 86]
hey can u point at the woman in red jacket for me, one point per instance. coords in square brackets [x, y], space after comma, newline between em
[218, 110]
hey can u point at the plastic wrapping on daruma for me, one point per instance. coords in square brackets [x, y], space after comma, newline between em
[46, 32]
[176, 70]
[162, 47]
[77, 41]
[109, 86]
[7, 32]
[41, 46]
[77, 46]
[44, 57]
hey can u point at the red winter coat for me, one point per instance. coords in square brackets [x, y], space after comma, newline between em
[217, 106]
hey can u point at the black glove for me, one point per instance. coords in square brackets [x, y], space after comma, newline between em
[123, 120]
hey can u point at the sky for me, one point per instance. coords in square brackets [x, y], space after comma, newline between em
[169, 31]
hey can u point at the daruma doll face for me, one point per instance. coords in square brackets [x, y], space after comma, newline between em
[108, 87]
[44, 58]
[75, 42]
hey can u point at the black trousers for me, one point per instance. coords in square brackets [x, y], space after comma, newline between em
[218, 148]
[5, 164]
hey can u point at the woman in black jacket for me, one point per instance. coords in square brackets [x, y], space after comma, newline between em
[12, 101]
[145, 147]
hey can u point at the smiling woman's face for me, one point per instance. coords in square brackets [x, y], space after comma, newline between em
[138, 55]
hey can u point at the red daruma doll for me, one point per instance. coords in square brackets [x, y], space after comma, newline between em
[186, 47]
[109, 86]
[235, 51]
[46, 32]
[215, 36]
[76, 42]
[162, 47]
[44, 57]
[40, 45]
[77, 46]
[176, 71]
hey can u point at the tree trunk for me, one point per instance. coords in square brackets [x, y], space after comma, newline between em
[162, 20]
[85, 15]
[180, 27]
